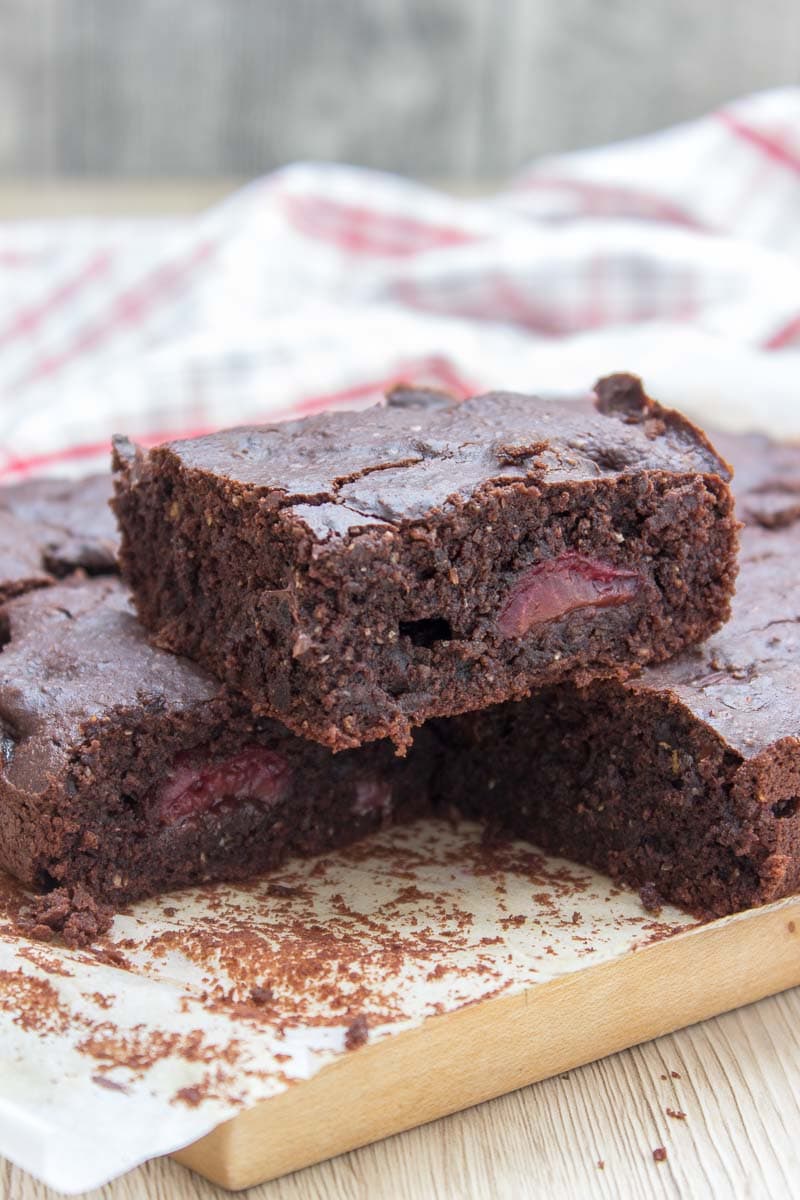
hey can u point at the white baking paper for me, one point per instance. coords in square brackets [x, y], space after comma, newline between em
[223, 996]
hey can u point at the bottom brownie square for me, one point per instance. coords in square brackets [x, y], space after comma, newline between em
[130, 771]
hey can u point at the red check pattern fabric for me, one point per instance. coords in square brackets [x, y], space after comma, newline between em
[675, 255]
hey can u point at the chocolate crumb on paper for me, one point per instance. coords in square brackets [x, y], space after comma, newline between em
[660, 1154]
[650, 898]
[261, 995]
[357, 1033]
[71, 912]
[110, 1085]
[282, 889]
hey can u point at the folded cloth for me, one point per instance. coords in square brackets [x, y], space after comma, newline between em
[676, 255]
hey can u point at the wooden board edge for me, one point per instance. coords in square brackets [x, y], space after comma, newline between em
[486, 1049]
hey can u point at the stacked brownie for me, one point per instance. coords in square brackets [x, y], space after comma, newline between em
[511, 607]
[356, 574]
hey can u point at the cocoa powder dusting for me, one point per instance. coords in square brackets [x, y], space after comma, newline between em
[33, 1004]
[349, 941]
[139, 1049]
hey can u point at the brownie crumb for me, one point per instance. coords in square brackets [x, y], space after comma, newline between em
[659, 1154]
[676, 1113]
[192, 1096]
[261, 995]
[665, 1076]
[357, 1033]
[71, 912]
[282, 889]
[675, 1075]
[601, 1166]
[109, 1084]
[650, 898]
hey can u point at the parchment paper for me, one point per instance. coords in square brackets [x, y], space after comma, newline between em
[199, 1004]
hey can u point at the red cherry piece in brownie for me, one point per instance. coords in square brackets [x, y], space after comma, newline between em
[199, 783]
[554, 588]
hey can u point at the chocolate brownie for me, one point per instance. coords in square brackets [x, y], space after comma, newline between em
[21, 566]
[355, 574]
[129, 771]
[686, 781]
[75, 527]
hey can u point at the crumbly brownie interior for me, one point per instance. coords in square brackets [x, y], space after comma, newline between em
[408, 598]
[684, 781]
[633, 785]
[249, 798]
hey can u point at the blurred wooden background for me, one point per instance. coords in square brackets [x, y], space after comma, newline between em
[461, 90]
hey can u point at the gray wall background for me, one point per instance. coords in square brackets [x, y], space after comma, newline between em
[449, 89]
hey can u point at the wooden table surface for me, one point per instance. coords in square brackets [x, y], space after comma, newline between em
[739, 1086]
[739, 1082]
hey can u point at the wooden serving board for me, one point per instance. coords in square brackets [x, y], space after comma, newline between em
[486, 1048]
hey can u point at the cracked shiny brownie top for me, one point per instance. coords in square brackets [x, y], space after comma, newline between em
[398, 463]
[356, 573]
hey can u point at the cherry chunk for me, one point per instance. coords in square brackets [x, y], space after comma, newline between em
[558, 586]
[200, 784]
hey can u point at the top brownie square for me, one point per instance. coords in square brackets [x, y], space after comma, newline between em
[356, 573]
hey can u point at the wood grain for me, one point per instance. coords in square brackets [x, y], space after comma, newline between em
[491, 1047]
[737, 1086]
[464, 89]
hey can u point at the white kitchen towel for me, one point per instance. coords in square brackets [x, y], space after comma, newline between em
[675, 255]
